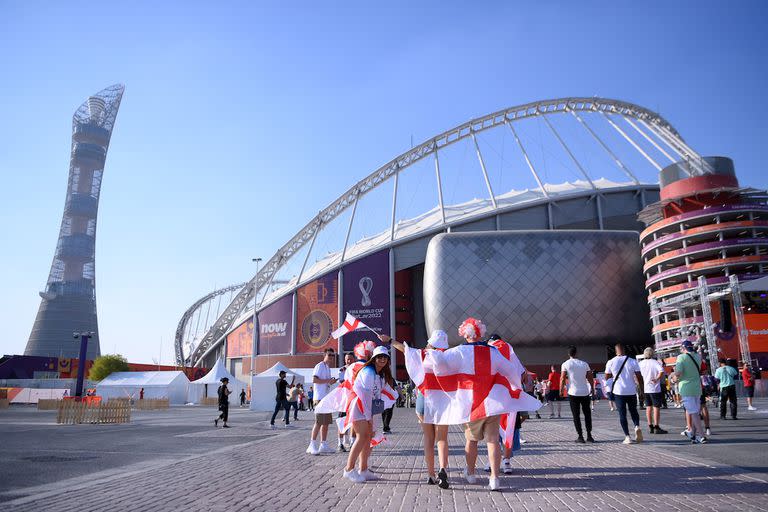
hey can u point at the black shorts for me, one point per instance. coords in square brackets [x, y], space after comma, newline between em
[554, 396]
[749, 391]
[653, 399]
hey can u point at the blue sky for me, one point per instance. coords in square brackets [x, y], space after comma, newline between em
[240, 122]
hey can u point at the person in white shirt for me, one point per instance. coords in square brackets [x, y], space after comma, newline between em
[579, 389]
[626, 376]
[652, 374]
[321, 384]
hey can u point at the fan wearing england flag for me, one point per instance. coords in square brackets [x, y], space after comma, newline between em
[425, 412]
[474, 385]
[372, 392]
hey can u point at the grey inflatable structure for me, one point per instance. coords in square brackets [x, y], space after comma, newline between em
[540, 290]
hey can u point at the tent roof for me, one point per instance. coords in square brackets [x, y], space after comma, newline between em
[757, 285]
[218, 372]
[141, 378]
[275, 370]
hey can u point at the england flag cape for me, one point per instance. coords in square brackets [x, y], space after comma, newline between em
[354, 396]
[507, 422]
[467, 383]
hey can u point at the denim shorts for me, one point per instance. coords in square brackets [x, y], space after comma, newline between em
[419, 403]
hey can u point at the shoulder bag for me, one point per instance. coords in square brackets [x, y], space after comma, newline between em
[616, 377]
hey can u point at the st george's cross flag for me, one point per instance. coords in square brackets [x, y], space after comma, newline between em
[467, 383]
[350, 324]
[507, 422]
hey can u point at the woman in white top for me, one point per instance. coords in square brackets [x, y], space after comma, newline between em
[438, 341]
[372, 392]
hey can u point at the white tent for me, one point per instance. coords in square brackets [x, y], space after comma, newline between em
[263, 389]
[172, 385]
[208, 386]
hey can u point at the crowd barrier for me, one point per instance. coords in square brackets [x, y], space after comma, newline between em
[89, 410]
[151, 404]
[48, 404]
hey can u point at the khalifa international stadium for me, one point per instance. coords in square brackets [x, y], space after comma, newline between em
[529, 218]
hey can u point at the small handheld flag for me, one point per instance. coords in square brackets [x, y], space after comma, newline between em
[350, 324]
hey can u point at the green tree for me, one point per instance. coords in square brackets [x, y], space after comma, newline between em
[107, 364]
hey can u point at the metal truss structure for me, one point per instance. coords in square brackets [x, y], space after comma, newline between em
[642, 129]
[69, 300]
[184, 329]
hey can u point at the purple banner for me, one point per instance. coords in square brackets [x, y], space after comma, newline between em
[276, 326]
[366, 296]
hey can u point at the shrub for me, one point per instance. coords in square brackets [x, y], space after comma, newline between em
[105, 365]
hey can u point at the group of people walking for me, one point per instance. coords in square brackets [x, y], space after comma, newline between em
[482, 386]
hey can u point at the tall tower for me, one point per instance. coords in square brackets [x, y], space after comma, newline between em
[69, 299]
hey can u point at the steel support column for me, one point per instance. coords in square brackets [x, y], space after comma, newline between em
[709, 329]
[439, 187]
[485, 173]
[528, 161]
[632, 142]
[741, 325]
[568, 150]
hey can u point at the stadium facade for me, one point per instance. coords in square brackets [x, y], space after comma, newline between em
[69, 300]
[370, 260]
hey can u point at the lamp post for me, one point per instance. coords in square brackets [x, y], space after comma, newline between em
[255, 323]
[84, 337]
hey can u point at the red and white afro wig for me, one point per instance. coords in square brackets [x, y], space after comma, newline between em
[364, 350]
[472, 328]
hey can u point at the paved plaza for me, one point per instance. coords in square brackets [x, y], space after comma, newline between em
[177, 460]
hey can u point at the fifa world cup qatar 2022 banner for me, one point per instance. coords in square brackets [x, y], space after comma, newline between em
[240, 341]
[276, 326]
[366, 296]
[317, 314]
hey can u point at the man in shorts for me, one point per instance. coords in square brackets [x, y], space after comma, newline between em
[653, 374]
[553, 395]
[687, 369]
[749, 386]
[321, 384]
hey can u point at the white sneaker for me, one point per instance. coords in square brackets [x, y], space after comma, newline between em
[493, 484]
[751, 408]
[369, 475]
[506, 467]
[708, 433]
[313, 449]
[627, 440]
[354, 477]
[471, 479]
[324, 448]
[685, 433]
[638, 435]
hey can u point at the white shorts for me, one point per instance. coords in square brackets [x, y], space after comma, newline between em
[692, 404]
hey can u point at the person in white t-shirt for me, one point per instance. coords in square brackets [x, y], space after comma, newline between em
[652, 374]
[626, 376]
[321, 385]
[579, 389]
